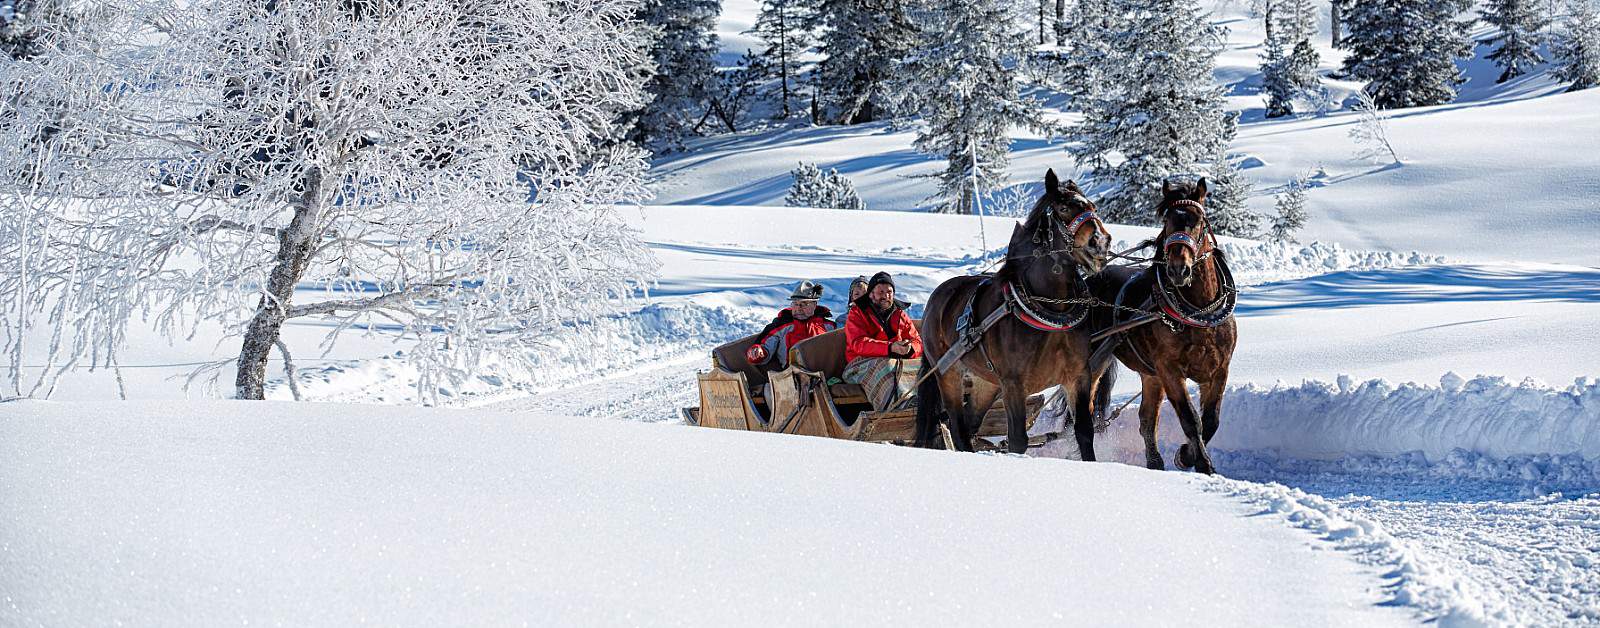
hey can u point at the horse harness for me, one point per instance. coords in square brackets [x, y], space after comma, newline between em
[1027, 308]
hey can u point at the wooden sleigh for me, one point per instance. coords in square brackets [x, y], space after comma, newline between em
[800, 400]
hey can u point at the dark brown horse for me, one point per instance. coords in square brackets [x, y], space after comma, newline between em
[1038, 342]
[1188, 283]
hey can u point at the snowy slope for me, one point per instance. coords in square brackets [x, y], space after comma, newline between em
[226, 512]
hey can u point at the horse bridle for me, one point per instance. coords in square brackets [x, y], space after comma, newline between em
[1174, 308]
[1185, 240]
[1069, 233]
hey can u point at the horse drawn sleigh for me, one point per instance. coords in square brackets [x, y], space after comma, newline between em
[808, 397]
[1049, 318]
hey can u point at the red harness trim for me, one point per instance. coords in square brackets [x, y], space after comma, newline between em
[1028, 318]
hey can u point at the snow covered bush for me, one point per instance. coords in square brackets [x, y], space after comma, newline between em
[1290, 208]
[814, 188]
[429, 167]
[1226, 211]
[1577, 46]
[1371, 132]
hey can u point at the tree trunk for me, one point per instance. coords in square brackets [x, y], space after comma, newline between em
[1041, 21]
[295, 244]
[1061, 19]
[1334, 16]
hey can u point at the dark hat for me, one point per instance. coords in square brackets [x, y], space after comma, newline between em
[860, 279]
[880, 277]
[806, 291]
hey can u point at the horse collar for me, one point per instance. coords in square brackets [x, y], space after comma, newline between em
[1018, 300]
[1175, 308]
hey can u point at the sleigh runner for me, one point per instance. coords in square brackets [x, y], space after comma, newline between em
[808, 397]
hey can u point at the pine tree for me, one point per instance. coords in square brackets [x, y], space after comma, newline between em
[1275, 82]
[1407, 49]
[1088, 31]
[682, 49]
[814, 188]
[863, 43]
[1154, 110]
[1290, 208]
[1226, 211]
[1577, 46]
[962, 80]
[782, 26]
[1521, 24]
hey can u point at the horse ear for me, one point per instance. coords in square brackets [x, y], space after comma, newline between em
[1072, 186]
[1200, 189]
[1052, 185]
[1166, 187]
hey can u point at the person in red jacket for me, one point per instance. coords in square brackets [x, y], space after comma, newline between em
[881, 344]
[801, 320]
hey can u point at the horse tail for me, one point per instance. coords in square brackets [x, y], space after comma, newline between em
[1102, 392]
[930, 405]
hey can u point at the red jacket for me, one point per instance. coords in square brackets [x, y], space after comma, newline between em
[865, 336]
[784, 332]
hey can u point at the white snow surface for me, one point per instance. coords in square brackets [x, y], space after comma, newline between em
[209, 513]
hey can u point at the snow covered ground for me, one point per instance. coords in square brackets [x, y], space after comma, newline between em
[232, 513]
[1413, 432]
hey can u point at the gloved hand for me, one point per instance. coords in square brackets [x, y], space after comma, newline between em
[756, 354]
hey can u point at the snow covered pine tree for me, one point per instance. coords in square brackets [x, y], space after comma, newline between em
[1407, 49]
[1291, 211]
[219, 157]
[782, 26]
[961, 79]
[1577, 46]
[683, 49]
[1521, 24]
[1154, 110]
[862, 43]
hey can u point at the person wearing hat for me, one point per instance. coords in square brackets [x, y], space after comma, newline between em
[801, 320]
[858, 288]
[881, 344]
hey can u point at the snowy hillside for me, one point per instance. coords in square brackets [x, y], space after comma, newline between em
[1411, 433]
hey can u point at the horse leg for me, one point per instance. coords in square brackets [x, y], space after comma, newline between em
[1016, 401]
[1082, 398]
[1194, 453]
[1210, 414]
[1150, 397]
[955, 411]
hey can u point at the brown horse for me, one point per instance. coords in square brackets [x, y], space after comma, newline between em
[1037, 342]
[1189, 342]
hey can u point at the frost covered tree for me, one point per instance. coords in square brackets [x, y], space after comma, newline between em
[782, 26]
[862, 43]
[683, 46]
[1154, 110]
[27, 25]
[1371, 132]
[1285, 78]
[422, 168]
[1226, 211]
[961, 79]
[1088, 31]
[1406, 50]
[1521, 24]
[1290, 211]
[1576, 49]
[814, 188]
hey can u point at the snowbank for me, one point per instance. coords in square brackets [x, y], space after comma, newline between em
[1543, 438]
[213, 513]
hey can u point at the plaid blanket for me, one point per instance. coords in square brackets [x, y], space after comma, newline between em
[884, 379]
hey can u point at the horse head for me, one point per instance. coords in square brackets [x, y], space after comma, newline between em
[1184, 230]
[1063, 221]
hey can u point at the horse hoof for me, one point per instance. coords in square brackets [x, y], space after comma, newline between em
[1155, 463]
[1184, 459]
